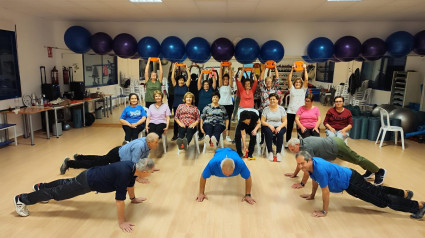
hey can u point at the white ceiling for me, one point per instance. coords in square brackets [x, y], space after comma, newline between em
[220, 10]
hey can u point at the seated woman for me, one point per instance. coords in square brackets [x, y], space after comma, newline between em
[338, 120]
[246, 92]
[133, 119]
[249, 123]
[158, 115]
[154, 82]
[187, 117]
[308, 118]
[180, 89]
[273, 121]
[214, 120]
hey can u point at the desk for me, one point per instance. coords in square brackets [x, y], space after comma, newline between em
[56, 108]
[27, 113]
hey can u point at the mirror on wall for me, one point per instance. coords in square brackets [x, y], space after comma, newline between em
[99, 70]
[380, 72]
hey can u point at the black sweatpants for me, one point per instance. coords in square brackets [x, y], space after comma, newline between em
[88, 161]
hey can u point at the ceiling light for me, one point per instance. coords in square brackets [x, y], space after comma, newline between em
[145, 0]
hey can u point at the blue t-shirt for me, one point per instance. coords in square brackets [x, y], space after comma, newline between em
[135, 150]
[179, 92]
[133, 114]
[205, 98]
[113, 177]
[213, 167]
[329, 174]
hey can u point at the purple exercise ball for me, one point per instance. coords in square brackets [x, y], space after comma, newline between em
[124, 45]
[419, 45]
[373, 49]
[222, 49]
[101, 43]
[347, 48]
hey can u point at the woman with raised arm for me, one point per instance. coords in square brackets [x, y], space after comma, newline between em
[152, 83]
[297, 91]
[225, 89]
[181, 87]
[205, 94]
[246, 91]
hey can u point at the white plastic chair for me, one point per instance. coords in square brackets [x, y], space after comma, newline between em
[387, 127]
[206, 143]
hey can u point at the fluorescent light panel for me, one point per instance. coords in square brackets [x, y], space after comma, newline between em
[345, 0]
[145, 1]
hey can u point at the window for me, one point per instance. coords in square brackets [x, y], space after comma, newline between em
[99, 70]
[10, 82]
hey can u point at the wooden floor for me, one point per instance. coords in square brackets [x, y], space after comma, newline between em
[171, 209]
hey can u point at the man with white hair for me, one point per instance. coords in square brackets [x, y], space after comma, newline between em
[119, 177]
[226, 163]
[132, 151]
[329, 148]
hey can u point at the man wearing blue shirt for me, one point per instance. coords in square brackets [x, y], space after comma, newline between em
[133, 151]
[226, 163]
[334, 178]
[118, 177]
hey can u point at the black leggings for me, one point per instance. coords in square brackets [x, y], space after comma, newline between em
[308, 132]
[88, 161]
[157, 128]
[290, 126]
[380, 196]
[187, 132]
[132, 133]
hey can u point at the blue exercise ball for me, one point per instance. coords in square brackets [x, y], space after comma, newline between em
[198, 50]
[419, 43]
[246, 51]
[222, 49]
[373, 49]
[347, 48]
[172, 48]
[124, 45]
[184, 57]
[307, 59]
[77, 38]
[101, 43]
[320, 49]
[400, 43]
[148, 47]
[272, 50]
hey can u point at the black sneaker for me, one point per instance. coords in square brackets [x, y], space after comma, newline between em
[174, 138]
[36, 187]
[409, 195]
[21, 208]
[64, 166]
[419, 214]
[380, 176]
[76, 156]
[367, 174]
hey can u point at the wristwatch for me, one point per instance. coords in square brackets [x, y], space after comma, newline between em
[248, 195]
[324, 212]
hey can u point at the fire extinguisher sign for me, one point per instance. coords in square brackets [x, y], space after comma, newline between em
[49, 52]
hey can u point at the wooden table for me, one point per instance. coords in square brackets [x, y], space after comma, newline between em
[27, 113]
[56, 108]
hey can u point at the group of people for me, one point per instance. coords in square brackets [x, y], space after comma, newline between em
[123, 165]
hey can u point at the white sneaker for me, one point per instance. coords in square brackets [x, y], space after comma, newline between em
[207, 139]
[270, 156]
[279, 157]
[228, 139]
[20, 207]
[214, 141]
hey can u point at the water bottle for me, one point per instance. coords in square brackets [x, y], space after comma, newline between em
[17, 103]
[44, 100]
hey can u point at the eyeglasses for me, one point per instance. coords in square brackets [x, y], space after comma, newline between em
[307, 101]
[338, 101]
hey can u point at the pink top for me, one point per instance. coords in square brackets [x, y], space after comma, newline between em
[308, 117]
[158, 115]
[247, 98]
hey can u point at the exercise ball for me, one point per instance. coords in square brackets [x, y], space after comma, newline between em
[246, 51]
[419, 43]
[408, 118]
[148, 47]
[320, 49]
[135, 56]
[400, 43]
[77, 38]
[222, 49]
[198, 50]
[101, 43]
[347, 48]
[182, 59]
[271, 50]
[307, 59]
[172, 48]
[124, 45]
[373, 49]
[388, 107]
[66, 127]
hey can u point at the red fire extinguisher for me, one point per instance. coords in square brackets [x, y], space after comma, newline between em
[65, 75]
[55, 76]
